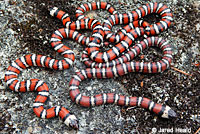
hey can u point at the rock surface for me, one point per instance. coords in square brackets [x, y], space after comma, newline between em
[26, 27]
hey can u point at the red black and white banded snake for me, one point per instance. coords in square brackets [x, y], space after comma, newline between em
[106, 64]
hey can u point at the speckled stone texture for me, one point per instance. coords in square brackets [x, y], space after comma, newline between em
[26, 27]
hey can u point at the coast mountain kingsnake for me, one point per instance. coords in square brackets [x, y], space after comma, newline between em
[101, 64]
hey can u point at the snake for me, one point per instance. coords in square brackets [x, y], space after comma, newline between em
[106, 64]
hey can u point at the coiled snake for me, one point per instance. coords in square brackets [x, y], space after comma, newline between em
[106, 64]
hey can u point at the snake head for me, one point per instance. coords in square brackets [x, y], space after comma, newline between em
[168, 113]
[72, 121]
[53, 11]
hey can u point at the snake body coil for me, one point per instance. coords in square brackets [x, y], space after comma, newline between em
[106, 64]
